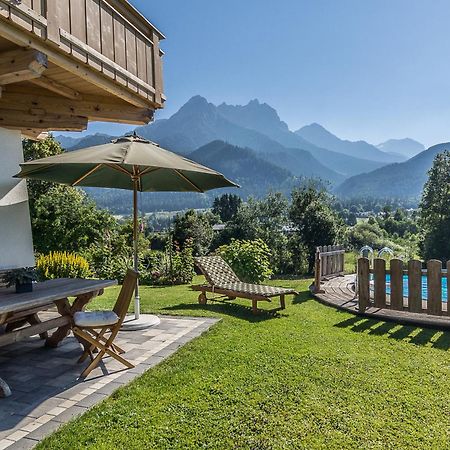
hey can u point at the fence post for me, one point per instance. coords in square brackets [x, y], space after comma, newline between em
[448, 285]
[379, 281]
[415, 286]
[317, 271]
[322, 262]
[397, 284]
[363, 284]
[434, 282]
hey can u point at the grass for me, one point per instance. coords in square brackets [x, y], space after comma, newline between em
[311, 378]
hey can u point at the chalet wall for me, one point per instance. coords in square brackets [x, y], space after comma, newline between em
[16, 244]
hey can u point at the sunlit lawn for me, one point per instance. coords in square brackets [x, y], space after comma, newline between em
[311, 378]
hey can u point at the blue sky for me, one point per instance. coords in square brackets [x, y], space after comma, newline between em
[365, 69]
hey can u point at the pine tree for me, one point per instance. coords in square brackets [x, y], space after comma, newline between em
[434, 210]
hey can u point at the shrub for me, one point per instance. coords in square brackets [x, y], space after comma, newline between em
[178, 265]
[62, 265]
[195, 229]
[249, 259]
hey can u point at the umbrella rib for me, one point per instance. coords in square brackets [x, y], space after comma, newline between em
[90, 172]
[188, 180]
[148, 170]
[120, 169]
[29, 172]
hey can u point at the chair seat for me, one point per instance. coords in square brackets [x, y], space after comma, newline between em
[95, 318]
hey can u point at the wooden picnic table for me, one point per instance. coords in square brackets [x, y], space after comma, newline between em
[18, 310]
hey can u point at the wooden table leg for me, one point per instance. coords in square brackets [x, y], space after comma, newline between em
[65, 309]
[5, 391]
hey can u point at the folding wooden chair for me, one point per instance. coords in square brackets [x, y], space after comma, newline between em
[94, 327]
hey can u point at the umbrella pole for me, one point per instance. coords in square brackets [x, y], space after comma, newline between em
[137, 299]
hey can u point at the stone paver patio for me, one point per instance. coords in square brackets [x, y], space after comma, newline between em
[45, 389]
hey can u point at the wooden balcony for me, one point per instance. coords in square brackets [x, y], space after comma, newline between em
[65, 62]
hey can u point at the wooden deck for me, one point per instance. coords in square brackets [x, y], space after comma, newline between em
[339, 292]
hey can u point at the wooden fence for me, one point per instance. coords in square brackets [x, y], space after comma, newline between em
[329, 262]
[372, 286]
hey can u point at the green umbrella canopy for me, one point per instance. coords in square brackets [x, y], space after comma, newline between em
[129, 162]
[126, 163]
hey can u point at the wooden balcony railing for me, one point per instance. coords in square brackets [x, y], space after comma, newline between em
[109, 36]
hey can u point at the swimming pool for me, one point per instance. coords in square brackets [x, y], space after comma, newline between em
[424, 287]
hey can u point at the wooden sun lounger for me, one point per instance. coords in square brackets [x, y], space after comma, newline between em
[222, 280]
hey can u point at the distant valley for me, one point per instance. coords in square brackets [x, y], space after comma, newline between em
[232, 138]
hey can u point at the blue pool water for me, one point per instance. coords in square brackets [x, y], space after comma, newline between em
[424, 287]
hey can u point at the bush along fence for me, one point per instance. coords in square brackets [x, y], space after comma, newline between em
[329, 263]
[409, 287]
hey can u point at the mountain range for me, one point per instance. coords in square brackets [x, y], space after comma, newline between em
[319, 136]
[406, 147]
[232, 138]
[401, 180]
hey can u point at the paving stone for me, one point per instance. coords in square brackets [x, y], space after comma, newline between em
[12, 424]
[126, 377]
[5, 443]
[70, 413]
[44, 430]
[91, 400]
[109, 388]
[166, 352]
[43, 407]
[23, 444]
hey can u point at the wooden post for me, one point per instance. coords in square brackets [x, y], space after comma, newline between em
[342, 259]
[317, 271]
[379, 280]
[434, 282]
[322, 262]
[448, 285]
[330, 261]
[333, 260]
[415, 286]
[363, 284]
[397, 284]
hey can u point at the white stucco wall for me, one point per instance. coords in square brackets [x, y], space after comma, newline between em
[16, 244]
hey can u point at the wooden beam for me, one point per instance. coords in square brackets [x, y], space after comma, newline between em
[21, 65]
[64, 61]
[54, 86]
[35, 135]
[15, 336]
[99, 108]
[36, 120]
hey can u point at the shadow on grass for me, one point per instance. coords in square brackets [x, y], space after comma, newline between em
[407, 333]
[302, 297]
[229, 309]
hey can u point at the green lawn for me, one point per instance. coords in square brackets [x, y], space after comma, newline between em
[312, 378]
